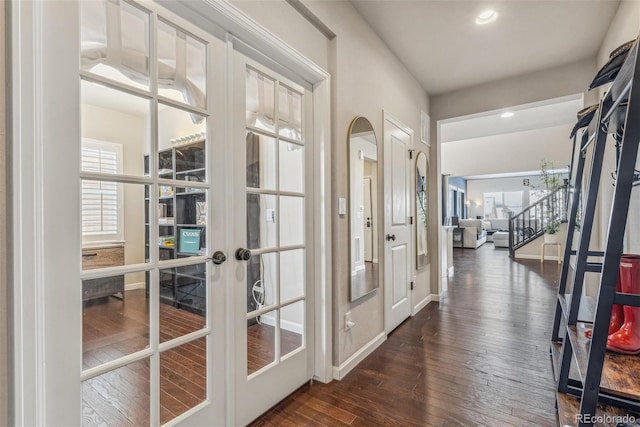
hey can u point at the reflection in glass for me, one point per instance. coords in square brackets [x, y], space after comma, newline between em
[261, 221]
[260, 106]
[261, 341]
[291, 327]
[422, 181]
[261, 161]
[261, 281]
[120, 397]
[182, 65]
[110, 131]
[112, 328]
[183, 378]
[114, 41]
[364, 218]
[291, 274]
[291, 167]
[289, 113]
[183, 300]
[103, 211]
[291, 221]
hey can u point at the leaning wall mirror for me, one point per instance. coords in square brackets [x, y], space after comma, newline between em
[363, 208]
[422, 240]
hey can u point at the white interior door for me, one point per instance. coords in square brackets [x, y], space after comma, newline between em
[131, 308]
[273, 309]
[397, 193]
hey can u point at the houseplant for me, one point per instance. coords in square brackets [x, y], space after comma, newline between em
[550, 181]
[552, 231]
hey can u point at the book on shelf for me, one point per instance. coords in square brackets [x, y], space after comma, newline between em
[168, 241]
[190, 241]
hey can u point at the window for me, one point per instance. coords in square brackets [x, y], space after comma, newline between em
[101, 213]
[500, 204]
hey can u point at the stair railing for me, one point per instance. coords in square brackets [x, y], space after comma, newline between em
[530, 224]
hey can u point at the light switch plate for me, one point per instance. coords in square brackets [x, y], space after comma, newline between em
[342, 206]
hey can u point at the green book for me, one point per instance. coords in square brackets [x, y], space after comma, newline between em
[189, 241]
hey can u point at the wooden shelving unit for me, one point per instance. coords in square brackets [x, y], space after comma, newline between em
[596, 387]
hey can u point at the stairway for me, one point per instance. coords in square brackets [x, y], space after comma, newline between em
[530, 224]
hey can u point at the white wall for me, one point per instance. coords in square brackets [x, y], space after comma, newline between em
[175, 123]
[507, 153]
[133, 133]
[366, 79]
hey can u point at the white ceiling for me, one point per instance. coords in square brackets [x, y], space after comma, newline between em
[440, 44]
[539, 115]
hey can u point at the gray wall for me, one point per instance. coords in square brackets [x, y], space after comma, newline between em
[366, 79]
[625, 27]
[4, 420]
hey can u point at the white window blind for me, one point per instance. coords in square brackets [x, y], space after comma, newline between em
[100, 199]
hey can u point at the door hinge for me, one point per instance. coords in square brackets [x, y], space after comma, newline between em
[411, 285]
[411, 219]
[411, 153]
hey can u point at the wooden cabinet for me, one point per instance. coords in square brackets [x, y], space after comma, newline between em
[102, 257]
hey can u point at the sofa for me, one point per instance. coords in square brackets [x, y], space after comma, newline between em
[474, 234]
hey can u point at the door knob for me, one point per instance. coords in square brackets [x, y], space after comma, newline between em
[243, 254]
[218, 257]
[391, 237]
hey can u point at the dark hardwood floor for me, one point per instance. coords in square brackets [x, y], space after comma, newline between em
[479, 357]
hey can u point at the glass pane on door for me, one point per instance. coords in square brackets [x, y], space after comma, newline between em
[276, 221]
[145, 204]
[120, 397]
[114, 42]
[183, 378]
[183, 300]
[291, 327]
[261, 341]
[115, 322]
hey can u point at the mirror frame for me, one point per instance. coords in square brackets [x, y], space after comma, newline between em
[354, 295]
[424, 201]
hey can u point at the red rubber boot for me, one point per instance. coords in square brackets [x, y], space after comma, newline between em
[627, 339]
[617, 315]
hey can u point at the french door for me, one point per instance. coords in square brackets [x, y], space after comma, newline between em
[273, 180]
[175, 261]
[152, 210]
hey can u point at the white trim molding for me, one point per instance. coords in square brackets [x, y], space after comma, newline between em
[339, 372]
[422, 304]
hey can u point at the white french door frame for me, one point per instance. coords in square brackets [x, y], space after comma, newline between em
[35, 36]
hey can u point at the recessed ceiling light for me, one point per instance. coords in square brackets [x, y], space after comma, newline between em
[506, 114]
[486, 17]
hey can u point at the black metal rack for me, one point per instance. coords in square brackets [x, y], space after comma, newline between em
[592, 382]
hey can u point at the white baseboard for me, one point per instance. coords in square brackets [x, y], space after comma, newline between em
[269, 319]
[134, 286]
[339, 372]
[537, 257]
[422, 304]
